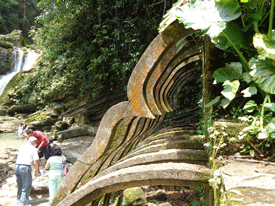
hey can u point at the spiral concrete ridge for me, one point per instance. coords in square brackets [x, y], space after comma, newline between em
[128, 151]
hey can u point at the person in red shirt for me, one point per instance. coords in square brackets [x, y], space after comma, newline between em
[42, 143]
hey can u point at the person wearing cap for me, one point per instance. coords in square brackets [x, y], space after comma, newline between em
[55, 167]
[26, 156]
[42, 143]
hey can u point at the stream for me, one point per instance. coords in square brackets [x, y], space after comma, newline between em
[10, 140]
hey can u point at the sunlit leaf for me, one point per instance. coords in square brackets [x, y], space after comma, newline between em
[263, 74]
[264, 46]
[271, 106]
[270, 128]
[230, 72]
[249, 91]
[262, 135]
[208, 15]
[170, 16]
[252, 153]
[250, 106]
[230, 89]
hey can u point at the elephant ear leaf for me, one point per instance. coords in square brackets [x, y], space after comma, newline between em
[230, 89]
[206, 15]
[235, 32]
[264, 46]
[231, 72]
[263, 74]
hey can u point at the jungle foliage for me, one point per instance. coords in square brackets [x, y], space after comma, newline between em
[17, 15]
[244, 29]
[90, 46]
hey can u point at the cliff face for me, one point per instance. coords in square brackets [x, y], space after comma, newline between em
[60, 115]
[5, 60]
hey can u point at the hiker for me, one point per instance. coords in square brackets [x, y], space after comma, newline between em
[26, 156]
[55, 167]
[25, 127]
[20, 129]
[42, 144]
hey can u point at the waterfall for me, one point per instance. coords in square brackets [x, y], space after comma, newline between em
[30, 60]
[18, 65]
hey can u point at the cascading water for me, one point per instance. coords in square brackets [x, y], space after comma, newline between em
[29, 60]
[18, 65]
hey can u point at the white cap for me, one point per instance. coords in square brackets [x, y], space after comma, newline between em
[32, 139]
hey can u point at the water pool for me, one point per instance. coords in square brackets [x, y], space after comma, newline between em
[11, 140]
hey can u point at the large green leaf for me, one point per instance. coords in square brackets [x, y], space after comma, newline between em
[230, 89]
[265, 47]
[270, 128]
[231, 72]
[225, 102]
[249, 91]
[235, 33]
[208, 15]
[250, 106]
[270, 106]
[170, 16]
[212, 102]
[263, 74]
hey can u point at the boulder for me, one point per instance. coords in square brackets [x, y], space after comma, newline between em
[85, 130]
[9, 124]
[26, 108]
[14, 39]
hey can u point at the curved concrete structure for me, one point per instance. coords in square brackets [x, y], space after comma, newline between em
[130, 149]
[152, 174]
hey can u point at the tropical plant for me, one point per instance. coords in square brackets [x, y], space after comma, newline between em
[243, 29]
[90, 46]
[18, 15]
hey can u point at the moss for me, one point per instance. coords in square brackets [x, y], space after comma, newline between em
[231, 128]
[58, 199]
[205, 176]
[6, 44]
[118, 133]
[15, 38]
[134, 196]
[13, 88]
[38, 116]
[87, 177]
[195, 138]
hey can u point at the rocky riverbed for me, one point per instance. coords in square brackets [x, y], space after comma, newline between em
[247, 181]
[73, 148]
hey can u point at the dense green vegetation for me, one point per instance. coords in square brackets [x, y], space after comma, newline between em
[89, 46]
[247, 84]
[17, 15]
